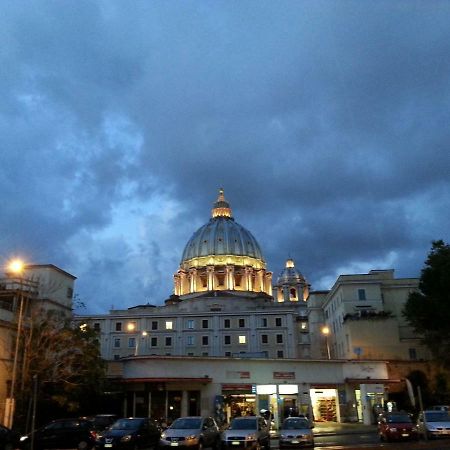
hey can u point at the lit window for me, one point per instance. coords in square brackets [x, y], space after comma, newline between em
[304, 325]
[131, 326]
[169, 325]
[242, 339]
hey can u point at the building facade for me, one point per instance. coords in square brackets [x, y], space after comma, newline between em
[228, 342]
[39, 286]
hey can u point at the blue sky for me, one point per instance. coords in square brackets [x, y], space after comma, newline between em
[326, 122]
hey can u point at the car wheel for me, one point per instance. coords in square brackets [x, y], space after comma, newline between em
[200, 445]
[258, 445]
[82, 445]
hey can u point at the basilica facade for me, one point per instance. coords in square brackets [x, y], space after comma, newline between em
[230, 339]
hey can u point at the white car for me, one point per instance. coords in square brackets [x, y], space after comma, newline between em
[434, 424]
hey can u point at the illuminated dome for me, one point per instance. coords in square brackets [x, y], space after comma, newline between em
[291, 285]
[222, 255]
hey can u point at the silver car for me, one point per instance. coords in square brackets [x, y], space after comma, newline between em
[434, 424]
[296, 432]
[250, 432]
[193, 432]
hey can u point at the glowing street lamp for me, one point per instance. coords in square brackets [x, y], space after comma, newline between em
[16, 266]
[326, 332]
[142, 336]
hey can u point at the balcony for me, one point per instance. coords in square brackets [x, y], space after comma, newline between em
[368, 314]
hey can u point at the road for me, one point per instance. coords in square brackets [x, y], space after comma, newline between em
[367, 441]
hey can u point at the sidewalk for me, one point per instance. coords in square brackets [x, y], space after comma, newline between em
[333, 428]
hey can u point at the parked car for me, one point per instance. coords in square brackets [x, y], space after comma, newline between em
[440, 408]
[194, 432]
[296, 432]
[434, 424]
[9, 439]
[396, 426]
[247, 432]
[62, 433]
[130, 433]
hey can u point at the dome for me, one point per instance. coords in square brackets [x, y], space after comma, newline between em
[222, 256]
[290, 274]
[222, 236]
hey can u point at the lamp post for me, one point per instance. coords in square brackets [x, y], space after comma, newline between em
[141, 336]
[326, 332]
[16, 267]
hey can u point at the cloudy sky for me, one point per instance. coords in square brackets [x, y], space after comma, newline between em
[326, 122]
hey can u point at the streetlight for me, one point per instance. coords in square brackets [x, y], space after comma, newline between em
[142, 336]
[16, 266]
[326, 332]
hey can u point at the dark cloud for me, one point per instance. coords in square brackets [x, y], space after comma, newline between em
[325, 122]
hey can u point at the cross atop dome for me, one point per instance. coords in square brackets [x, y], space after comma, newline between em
[221, 207]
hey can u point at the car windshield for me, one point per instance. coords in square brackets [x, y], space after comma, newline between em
[186, 423]
[437, 416]
[243, 424]
[296, 424]
[126, 424]
[398, 418]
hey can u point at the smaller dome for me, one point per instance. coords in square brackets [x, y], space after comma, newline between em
[290, 274]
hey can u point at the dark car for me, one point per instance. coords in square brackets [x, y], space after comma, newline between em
[130, 433]
[194, 432]
[8, 439]
[296, 432]
[247, 432]
[396, 426]
[62, 433]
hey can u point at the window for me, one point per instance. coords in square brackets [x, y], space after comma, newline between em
[361, 294]
[190, 354]
[116, 357]
[118, 326]
[168, 341]
[412, 353]
[264, 322]
[227, 323]
[154, 325]
[205, 323]
[190, 340]
[280, 354]
[169, 325]
[96, 326]
[241, 323]
[303, 326]
[279, 338]
[69, 292]
[131, 342]
[242, 339]
[204, 353]
[131, 326]
[264, 339]
[204, 340]
[278, 321]
[190, 324]
[154, 342]
[227, 340]
[116, 342]
[227, 353]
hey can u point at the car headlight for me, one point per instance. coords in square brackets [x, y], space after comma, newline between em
[250, 437]
[23, 438]
[191, 437]
[392, 429]
[126, 438]
[163, 435]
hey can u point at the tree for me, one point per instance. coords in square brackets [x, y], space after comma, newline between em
[428, 310]
[63, 359]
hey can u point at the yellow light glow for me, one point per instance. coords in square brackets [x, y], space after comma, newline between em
[223, 260]
[16, 266]
[131, 326]
[325, 330]
[144, 333]
[290, 264]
